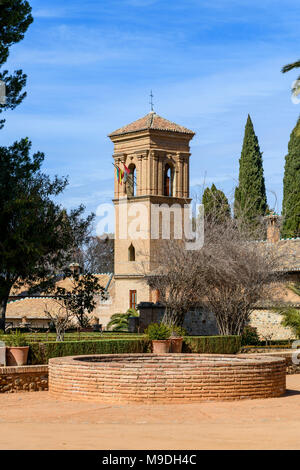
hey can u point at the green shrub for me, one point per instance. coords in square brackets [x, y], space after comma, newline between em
[79, 336]
[212, 344]
[178, 331]
[17, 339]
[40, 353]
[291, 319]
[250, 336]
[157, 331]
[119, 322]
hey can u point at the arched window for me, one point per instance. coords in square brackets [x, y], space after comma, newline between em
[131, 253]
[131, 181]
[168, 180]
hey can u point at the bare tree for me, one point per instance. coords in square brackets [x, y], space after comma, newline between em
[228, 276]
[61, 317]
[97, 255]
[176, 279]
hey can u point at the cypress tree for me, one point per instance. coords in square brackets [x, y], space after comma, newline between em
[216, 204]
[250, 196]
[291, 187]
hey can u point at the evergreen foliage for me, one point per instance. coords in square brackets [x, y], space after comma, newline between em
[15, 18]
[120, 321]
[250, 195]
[216, 204]
[37, 236]
[40, 353]
[291, 187]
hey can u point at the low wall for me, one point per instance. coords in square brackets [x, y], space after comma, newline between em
[23, 379]
[291, 366]
[169, 378]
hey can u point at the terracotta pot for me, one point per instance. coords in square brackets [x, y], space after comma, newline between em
[16, 355]
[161, 346]
[176, 345]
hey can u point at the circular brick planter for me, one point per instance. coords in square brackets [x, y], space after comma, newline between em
[169, 378]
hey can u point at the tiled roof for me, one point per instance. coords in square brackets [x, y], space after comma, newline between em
[289, 249]
[31, 308]
[151, 121]
[65, 282]
[34, 307]
[68, 284]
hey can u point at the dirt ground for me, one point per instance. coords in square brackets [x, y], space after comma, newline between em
[37, 421]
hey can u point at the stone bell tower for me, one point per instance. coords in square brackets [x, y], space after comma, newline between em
[156, 153]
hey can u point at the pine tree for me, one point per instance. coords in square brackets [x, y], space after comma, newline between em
[291, 187]
[15, 18]
[216, 204]
[37, 236]
[250, 196]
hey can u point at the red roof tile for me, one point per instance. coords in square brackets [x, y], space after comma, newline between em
[151, 121]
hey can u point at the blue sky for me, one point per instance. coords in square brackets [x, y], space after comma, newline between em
[91, 66]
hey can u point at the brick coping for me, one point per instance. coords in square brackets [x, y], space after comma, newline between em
[215, 360]
[23, 369]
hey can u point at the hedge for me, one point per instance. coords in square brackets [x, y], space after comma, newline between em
[51, 337]
[212, 344]
[40, 353]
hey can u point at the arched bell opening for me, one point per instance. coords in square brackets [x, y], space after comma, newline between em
[131, 181]
[169, 180]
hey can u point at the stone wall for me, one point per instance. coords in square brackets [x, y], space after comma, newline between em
[268, 324]
[196, 322]
[200, 323]
[23, 379]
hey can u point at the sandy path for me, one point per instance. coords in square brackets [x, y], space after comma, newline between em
[36, 421]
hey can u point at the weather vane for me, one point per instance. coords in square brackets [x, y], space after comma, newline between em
[151, 100]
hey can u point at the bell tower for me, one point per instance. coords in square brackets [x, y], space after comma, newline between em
[151, 159]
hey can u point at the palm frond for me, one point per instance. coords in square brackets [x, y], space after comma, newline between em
[289, 67]
[118, 322]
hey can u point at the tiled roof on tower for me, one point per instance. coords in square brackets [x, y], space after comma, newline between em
[151, 121]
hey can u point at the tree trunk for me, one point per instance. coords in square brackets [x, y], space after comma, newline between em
[173, 318]
[228, 328]
[4, 294]
[60, 334]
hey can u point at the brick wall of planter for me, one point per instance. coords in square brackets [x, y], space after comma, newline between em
[292, 363]
[23, 379]
[176, 378]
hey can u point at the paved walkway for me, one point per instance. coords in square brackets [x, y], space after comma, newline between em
[36, 421]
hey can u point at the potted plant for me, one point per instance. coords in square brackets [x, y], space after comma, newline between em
[16, 349]
[176, 337]
[159, 334]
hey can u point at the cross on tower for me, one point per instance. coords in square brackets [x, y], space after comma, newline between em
[151, 100]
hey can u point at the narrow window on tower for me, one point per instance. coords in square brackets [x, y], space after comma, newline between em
[131, 253]
[132, 299]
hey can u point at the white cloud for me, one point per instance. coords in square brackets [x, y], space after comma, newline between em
[49, 12]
